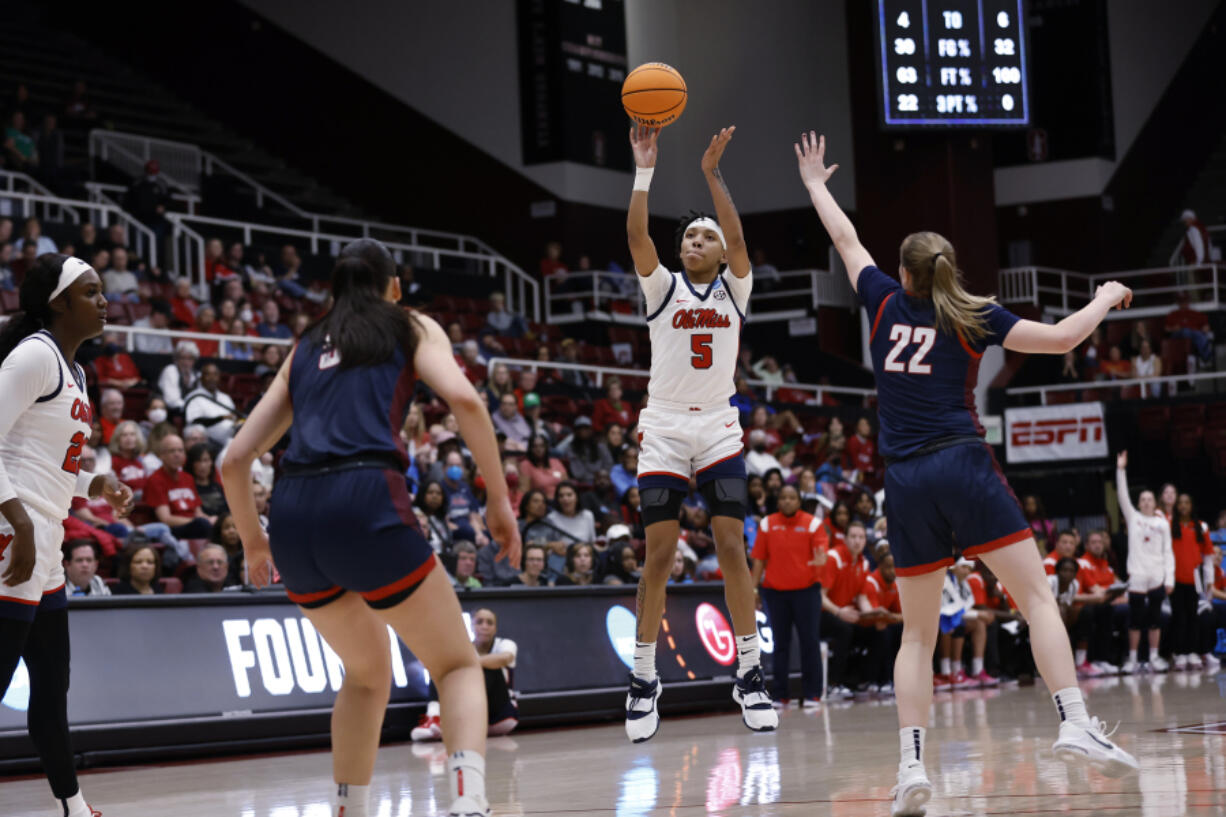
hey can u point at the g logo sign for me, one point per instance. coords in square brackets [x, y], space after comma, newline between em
[715, 633]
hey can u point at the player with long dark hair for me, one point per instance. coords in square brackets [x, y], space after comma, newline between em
[44, 424]
[688, 429]
[342, 529]
[945, 490]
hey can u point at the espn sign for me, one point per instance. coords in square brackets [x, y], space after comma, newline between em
[1073, 431]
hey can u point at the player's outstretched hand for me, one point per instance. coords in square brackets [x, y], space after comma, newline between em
[644, 141]
[21, 558]
[257, 558]
[715, 150]
[811, 157]
[503, 529]
[1121, 461]
[118, 495]
[1119, 295]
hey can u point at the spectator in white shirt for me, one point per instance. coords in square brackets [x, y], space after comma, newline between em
[1194, 249]
[180, 377]
[119, 282]
[759, 460]
[209, 406]
[33, 231]
[81, 569]
[158, 318]
[767, 370]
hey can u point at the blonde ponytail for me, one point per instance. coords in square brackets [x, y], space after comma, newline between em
[930, 260]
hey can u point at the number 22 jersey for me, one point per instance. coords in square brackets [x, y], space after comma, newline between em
[925, 378]
[44, 424]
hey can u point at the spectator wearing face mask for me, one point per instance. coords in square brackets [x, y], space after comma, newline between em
[462, 508]
[81, 569]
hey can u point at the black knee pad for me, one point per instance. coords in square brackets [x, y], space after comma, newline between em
[726, 496]
[660, 504]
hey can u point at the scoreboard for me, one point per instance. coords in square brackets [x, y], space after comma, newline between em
[952, 63]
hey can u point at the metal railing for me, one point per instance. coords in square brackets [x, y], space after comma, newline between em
[224, 341]
[145, 242]
[1213, 252]
[188, 245]
[1061, 292]
[1168, 381]
[819, 390]
[590, 295]
[13, 182]
[179, 162]
[113, 194]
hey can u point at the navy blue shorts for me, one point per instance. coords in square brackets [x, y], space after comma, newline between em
[349, 530]
[954, 499]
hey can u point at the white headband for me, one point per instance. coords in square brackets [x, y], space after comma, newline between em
[709, 224]
[73, 269]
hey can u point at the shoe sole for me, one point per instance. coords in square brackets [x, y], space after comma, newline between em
[1074, 756]
[914, 797]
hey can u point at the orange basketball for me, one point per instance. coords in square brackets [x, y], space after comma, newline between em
[654, 94]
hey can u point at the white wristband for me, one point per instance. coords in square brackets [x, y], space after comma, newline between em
[642, 178]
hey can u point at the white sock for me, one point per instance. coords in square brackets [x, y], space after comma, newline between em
[957, 667]
[352, 801]
[1079, 657]
[1070, 705]
[75, 806]
[976, 666]
[945, 666]
[432, 709]
[911, 746]
[466, 774]
[748, 654]
[645, 660]
[1132, 656]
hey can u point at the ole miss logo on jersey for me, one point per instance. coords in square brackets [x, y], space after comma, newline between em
[700, 319]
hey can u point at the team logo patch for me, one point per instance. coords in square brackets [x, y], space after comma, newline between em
[720, 295]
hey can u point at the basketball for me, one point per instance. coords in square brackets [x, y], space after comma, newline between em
[654, 94]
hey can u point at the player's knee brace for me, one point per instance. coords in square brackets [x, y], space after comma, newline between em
[660, 504]
[726, 496]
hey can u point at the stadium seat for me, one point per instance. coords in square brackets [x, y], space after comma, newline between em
[134, 401]
[1153, 422]
[1055, 398]
[142, 515]
[1185, 441]
[139, 311]
[1130, 393]
[1175, 356]
[196, 545]
[1188, 415]
[170, 585]
[1215, 415]
[117, 312]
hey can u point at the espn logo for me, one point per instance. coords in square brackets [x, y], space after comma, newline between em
[1056, 431]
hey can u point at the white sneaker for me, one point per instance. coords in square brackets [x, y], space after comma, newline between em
[811, 704]
[757, 713]
[1181, 663]
[886, 690]
[1194, 661]
[469, 806]
[1088, 743]
[1107, 668]
[642, 715]
[1158, 664]
[1211, 662]
[913, 791]
[839, 693]
[1130, 667]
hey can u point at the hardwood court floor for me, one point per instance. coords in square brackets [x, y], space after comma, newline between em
[989, 752]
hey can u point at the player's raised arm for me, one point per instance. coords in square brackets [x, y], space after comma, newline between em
[644, 142]
[1058, 338]
[725, 211]
[811, 157]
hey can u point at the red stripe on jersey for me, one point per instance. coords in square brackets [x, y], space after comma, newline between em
[408, 581]
[1004, 541]
[307, 598]
[919, 570]
[717, 462]
[974, 355]
[877, 319]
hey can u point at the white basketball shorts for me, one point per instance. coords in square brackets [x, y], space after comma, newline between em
[22, 602]
[688, 442]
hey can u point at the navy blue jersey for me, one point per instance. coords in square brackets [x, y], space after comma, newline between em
[925, 378]
[346, 412]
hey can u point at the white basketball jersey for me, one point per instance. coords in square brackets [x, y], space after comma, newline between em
[40, 447]
[695, 337]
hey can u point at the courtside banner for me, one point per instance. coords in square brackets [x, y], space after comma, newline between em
[1072, 431]
[230, 656]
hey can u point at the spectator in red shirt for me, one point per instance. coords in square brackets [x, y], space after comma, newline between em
[846, 569]
[183, 304]
[215, 269]
[1095, 621]
[171, 492]
[1193, 572]
[1116, 367]
[1194, 247]
[115, 367]
[861, 452]
[788, 556]
[881, 610]
[542, 471]
[1065, 547]
[527, 385]
[1185, 322]
[552, 264]
[111, 413]
[127, 447]
[611, 408]
[206, 321]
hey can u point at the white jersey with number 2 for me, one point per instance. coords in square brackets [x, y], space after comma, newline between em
[695, 334]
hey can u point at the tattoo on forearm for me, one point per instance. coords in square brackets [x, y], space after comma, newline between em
[719, 177]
